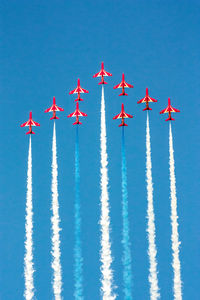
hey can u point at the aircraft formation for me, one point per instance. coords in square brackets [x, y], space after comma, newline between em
[122, 115]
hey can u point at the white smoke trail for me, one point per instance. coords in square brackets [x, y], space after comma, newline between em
[78, 259]
[105, 253]
[28, 258]
[126, 259]
[55, 220]
[153, 280]
[175, 236]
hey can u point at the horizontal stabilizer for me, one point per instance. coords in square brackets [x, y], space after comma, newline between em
[123, 94]
[77, 123]
[147, 108]
[123, 125]
[54, 118]
[102, 82]
[170, 119]
[78, 99]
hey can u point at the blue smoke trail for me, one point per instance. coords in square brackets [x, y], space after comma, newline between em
[126, 259]
[78, 293]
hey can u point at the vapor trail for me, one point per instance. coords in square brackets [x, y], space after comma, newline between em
[126, 259]
[175, 236]
[55, 220]
[105, 252]
[28, 257]
[78, 293]
[153, 280]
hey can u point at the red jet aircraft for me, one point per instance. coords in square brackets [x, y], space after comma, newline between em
[53, 109]
[122, 85]
[146, 100]
[30, 123]
[169, 109]
[78, 90]
[122, 116]
[101, 74]
[77, 113]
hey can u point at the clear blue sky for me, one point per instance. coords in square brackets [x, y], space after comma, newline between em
[45, 47]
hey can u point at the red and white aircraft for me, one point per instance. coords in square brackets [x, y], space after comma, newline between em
[122, 116]
[30, 123]
[78, 90]
[123, 85]
[101, 74]
[77, 113]
[53, 109]
[146, 100]
[169, 109]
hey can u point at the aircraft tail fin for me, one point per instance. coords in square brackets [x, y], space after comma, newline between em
[103, 82]
[123, 94]
[123, 125]
[77, 123]
[54, 118]
[170, 119]
[147, 108]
